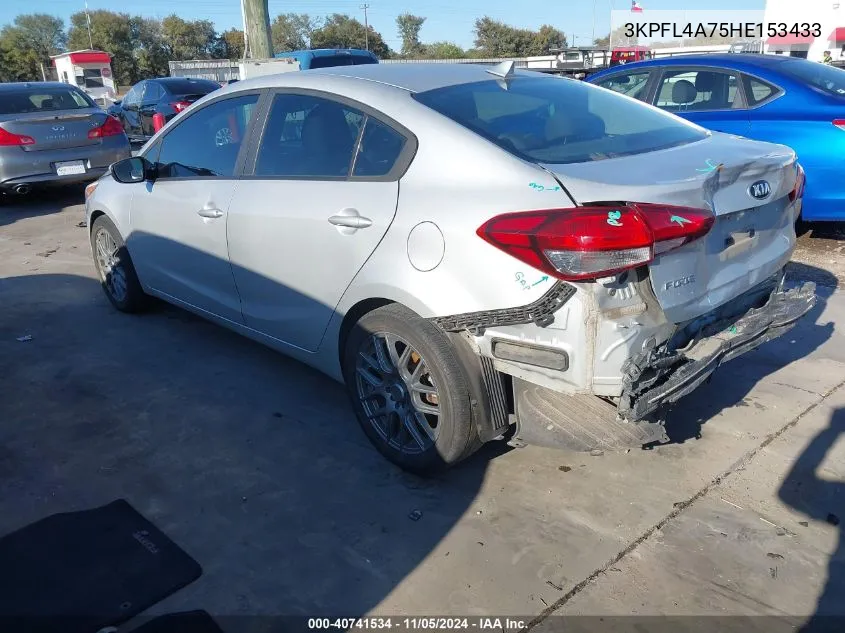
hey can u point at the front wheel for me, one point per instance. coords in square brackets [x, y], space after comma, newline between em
[409, 390]
[114, 266]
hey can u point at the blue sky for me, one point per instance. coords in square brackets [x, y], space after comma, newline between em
[446, 20]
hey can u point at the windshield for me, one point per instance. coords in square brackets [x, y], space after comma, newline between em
[41, 99]
[828, 79]
[554, 120]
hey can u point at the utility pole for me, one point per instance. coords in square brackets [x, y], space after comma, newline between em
[246, 37]
[88, 20]
[257, 28]
[366, 27]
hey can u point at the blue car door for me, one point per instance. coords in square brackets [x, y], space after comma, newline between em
[711, 97]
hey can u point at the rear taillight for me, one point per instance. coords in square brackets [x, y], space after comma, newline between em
[112, 127]
[158, 121]
[596, 241]
[840, 123]
[8, 139]
[180, 105]
[798, 189]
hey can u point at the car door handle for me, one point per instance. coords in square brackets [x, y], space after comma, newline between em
[350, 220]
[210, 213]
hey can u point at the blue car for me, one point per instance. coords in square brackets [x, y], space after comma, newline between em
[327, 57]
[773, 98]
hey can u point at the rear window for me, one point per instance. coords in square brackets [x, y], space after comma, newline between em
[190, 86]
[340, 60]
[553, 120]
[24, 100]
[828, 79]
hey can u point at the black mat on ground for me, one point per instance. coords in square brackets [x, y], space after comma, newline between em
[78, 572]
[184, 622]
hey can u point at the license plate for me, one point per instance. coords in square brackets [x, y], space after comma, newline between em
[70, 167]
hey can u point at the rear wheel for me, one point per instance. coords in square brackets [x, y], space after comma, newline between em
[117, 274]
[409, 391]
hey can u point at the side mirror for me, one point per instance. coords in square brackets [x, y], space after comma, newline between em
[131, 170]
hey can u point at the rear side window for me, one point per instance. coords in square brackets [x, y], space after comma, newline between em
[308, 137]
[380, 146]
[553, 120]
[820, 77]
[757, 91]
[698, 91]
[43, 100]
[207, 143]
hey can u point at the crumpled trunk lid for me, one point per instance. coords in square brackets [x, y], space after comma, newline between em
[752, 238]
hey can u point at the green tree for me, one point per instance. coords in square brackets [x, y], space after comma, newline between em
[28, 43]
[547, 39]
[149, 51]
[409, 31]
[188, 39]
[342, 31]
[292, 31]
[232, 42]
[444, 50]
[617, 38]
[110, 32]
[497, 39]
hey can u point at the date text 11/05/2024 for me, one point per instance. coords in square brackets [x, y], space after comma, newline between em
[747, 30]
[417, 623]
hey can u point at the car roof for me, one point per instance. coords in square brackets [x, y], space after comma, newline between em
[173, 80]
[17, 85]
[407, 77]
[730, 60]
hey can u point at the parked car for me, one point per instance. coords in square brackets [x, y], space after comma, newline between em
[53, 133]
[165, 97]
[464, 247]
[773, 98]
[327, 57]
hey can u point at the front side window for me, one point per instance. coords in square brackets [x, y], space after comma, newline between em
[308, 137]
[553, 120]
[152, 92]
[133, 97]
[207, 143]
[629, 84]
[697, 91]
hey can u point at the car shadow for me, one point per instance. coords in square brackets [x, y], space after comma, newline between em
[39, 202]
[825, 230]
[253, 463]
[821, 500]
[730, 385]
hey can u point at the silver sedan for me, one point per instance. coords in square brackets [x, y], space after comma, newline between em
[476, 253]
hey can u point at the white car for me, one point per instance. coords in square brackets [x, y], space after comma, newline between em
[477, 253]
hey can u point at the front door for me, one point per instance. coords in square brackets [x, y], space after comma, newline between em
[323, 194]
[178, 239]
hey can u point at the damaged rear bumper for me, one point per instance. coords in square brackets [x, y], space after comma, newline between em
[657, 378]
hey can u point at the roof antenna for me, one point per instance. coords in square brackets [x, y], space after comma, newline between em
[505, 70]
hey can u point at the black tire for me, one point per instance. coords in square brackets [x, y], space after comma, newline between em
[456, 434]
[133, 299]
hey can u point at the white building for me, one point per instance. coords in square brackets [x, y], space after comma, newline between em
[90, 70]
[829, 13]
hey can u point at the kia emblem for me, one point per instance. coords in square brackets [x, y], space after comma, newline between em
[760, 190]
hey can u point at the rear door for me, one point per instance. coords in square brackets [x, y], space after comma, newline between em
[712, 98]
[322, 194]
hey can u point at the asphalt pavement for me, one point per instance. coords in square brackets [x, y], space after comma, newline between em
[255, 465]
